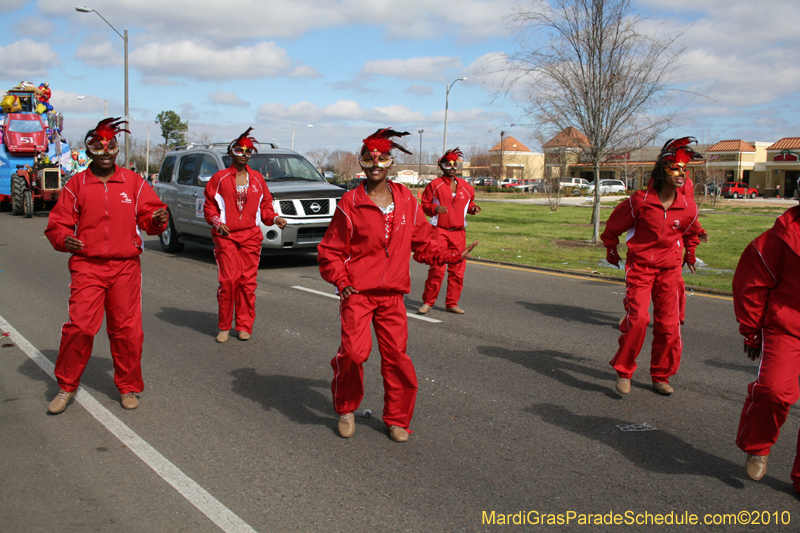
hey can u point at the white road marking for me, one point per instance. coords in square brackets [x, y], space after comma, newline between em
[329, 295]
[186, 486]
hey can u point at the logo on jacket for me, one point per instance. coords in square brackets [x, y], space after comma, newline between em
[403, 220]
[125, 199]
[676, 224]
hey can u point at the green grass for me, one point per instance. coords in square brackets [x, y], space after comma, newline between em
[532, 235]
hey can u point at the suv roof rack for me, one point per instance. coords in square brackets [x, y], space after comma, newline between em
[213, 145]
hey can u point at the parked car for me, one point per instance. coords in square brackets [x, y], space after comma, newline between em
[737, 189]
[508, 183]
[578, 183]
[486, 182]
[301, 195]
[607, 187]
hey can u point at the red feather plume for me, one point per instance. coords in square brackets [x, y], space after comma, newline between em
[380, 141]
[678, 151]
[452, 155]
[106, 129]
[245, 141]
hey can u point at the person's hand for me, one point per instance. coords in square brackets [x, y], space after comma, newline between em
[72, 244]
[347, 291]
[223, 230]
[475, 210]
[703, 237]
[280, 222]
[692, 268]
[752, 352]
[612, 256]
[160, 216]
[468, 250]
[689, 260]
[440, 209]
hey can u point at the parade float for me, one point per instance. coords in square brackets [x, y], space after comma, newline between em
[34, 160]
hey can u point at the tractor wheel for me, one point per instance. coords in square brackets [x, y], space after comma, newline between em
[169, 239]
[27, 202]
[18, 186]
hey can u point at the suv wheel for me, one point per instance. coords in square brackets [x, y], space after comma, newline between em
[169, 239]
[735, 195]
[753, 196]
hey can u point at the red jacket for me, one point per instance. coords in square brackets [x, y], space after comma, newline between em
[221, 201]
[766, 285]
[105, 217]
[440, 192]
[354, 252]
[656, 237]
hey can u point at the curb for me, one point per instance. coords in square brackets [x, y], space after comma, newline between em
[589, 275]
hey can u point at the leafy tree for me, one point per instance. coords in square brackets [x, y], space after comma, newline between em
[172, 129]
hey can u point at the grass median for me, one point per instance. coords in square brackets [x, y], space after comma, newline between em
[532, 235]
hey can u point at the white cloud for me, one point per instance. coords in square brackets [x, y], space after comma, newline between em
[158, 80]
[304, 71]
[26, 59]
[351, 111]
[199, 61]
[227, 98]
[276, 19]
[7, 6]
[419, 89]
[415, 68]
[33, 27]
[99, 54]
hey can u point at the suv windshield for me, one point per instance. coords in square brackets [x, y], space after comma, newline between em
[281, 167]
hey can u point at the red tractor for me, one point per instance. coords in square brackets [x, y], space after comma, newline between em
[29, 187]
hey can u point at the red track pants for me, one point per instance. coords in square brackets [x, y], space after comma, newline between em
[665, 285]
[116, 286]
[388, 317]
[237, 257]
[456, 242]
[770, 397]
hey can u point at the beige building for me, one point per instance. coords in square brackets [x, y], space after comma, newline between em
[782, 167]
[510, 159]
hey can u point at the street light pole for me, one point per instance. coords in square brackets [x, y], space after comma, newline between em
[83, 9]
[105, 107]
[299, 126]
[419, 174]
[446, 106]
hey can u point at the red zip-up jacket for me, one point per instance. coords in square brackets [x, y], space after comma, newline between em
[766, 285]
[354, 251]
[105, 217]
[440, 192]
[220, 201]
[656, 236]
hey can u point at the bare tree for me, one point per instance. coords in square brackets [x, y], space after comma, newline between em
[345, 164]
[319, 157]
[596, 73]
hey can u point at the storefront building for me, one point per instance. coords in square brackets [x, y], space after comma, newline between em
[783, 168]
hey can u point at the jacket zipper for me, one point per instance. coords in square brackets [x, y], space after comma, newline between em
[105, 241]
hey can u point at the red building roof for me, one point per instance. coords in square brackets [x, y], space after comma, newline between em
[787, 143]
[510, 144]
[568, 138]
[731, 146]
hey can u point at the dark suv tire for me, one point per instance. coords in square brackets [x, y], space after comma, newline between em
[169, 239]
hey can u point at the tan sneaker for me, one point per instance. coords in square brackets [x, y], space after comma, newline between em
[347, 425]
[398, 434]
[756, 466]
[244, 336]
[129, 401]
[457, 310]
[223, 336]
[424, 309]
[623, 385]
[662, 388]
[60, 402]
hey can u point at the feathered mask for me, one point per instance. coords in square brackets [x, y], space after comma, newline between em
[381, 142]
[245, 141]
[105, 130]
[451, 158]
[678, 151]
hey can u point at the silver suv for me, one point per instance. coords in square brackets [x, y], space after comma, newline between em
[301, 196]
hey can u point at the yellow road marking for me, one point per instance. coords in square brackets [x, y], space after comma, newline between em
[718, 297]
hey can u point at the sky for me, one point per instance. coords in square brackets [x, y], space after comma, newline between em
[349, 67]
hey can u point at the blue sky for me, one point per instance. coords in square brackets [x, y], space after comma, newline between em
[351, 66]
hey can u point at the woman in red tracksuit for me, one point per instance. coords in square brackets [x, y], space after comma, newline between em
[447, 200]
[766, 300]
[97, 219]
[237, 202]
[365, 253]
[662, 228]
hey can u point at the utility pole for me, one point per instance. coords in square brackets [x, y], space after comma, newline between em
[419, 174]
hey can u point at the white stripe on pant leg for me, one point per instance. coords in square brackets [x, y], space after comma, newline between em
[186, 486]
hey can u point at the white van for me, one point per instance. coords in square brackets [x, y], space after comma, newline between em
[573, 182]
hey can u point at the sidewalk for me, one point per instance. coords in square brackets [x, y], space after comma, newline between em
[584, 201]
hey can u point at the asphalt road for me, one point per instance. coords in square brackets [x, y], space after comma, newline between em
[515, 411]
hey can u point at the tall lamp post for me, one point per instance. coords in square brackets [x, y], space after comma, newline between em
[105, 107]
[299, 126]
[419, 174]
[446, 106]
[84, 9]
